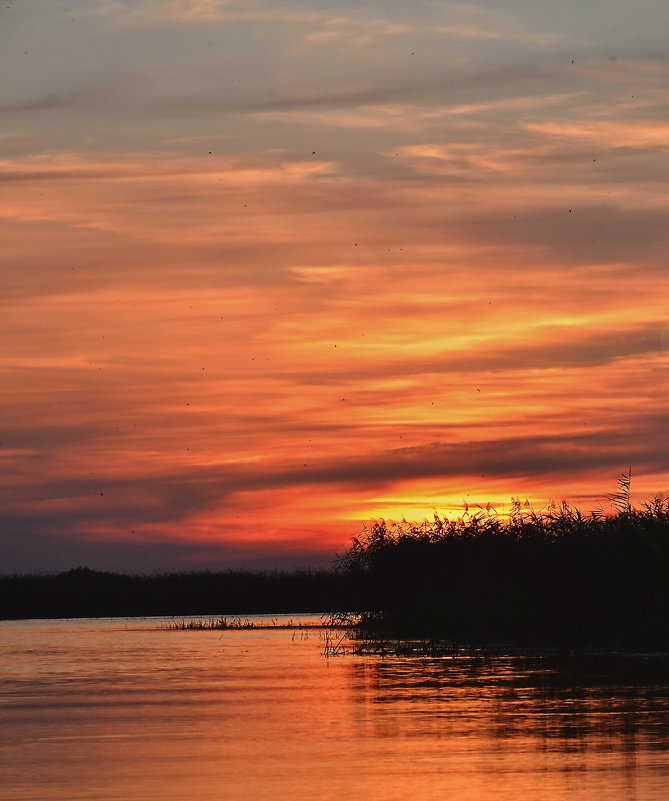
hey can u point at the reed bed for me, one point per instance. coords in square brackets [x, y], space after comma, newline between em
[548, 578]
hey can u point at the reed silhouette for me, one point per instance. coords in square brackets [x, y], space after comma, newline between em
[549, 578]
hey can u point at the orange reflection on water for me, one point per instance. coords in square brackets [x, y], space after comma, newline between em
[108, 710]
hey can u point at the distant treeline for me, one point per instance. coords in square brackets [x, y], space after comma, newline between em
[554, 578]
[88, 593]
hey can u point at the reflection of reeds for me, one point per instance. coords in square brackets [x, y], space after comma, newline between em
[237, 623]
[332, 621]
[216, 624]
[334, 642]
[334, 629]
[549, 577]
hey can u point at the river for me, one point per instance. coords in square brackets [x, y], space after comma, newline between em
[126, 709]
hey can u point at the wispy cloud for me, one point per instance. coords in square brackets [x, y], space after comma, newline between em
[639, 134]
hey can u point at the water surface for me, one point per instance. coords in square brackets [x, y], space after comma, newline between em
[124, 709]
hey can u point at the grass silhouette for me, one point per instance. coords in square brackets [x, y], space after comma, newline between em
[544, 578]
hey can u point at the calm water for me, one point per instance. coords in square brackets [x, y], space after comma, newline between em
[118, 709]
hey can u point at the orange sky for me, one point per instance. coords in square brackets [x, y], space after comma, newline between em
[270, 273]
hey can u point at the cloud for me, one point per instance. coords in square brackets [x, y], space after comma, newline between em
[270, 271]
[165, 506]
[45, 103]
[517, 458]
[637, 134]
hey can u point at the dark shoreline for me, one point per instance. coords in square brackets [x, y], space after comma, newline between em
[83, 593]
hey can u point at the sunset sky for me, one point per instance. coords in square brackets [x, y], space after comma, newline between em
[272, 270]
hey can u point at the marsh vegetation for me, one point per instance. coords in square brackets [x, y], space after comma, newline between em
[544, 578]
